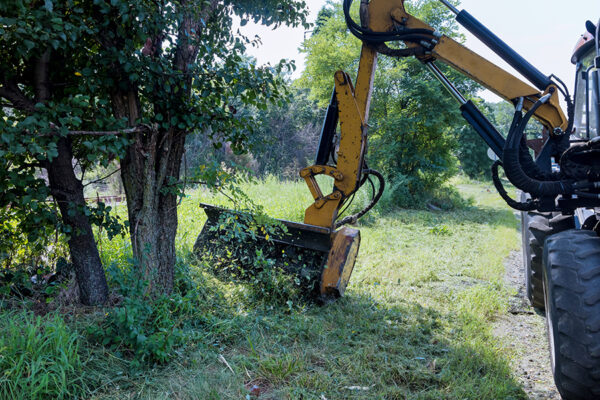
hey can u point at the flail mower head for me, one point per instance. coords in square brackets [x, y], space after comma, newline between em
[326, 249]
[323, 257]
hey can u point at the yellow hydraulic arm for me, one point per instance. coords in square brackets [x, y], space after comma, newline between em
[380, 16]
[385, 15]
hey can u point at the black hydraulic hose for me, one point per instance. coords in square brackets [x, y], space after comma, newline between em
[586, 195]
[351, 219]
[527, 206]
[514, 170]
[515, 136]
[353, 26]
[400, 53]
[529, 166]
[367, 35]
[570, 106]
[518, 116]
[363, 180]
[380, 37]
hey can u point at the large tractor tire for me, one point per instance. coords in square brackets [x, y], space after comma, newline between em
[572, 289]
[536, 228]
[534, 221]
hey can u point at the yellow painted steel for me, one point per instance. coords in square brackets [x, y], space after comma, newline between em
[385, 14]
[499, 81]
[364, 80]
[353, 106]
[353, 140]
[324, 213]
[340, 262]
[309, 176]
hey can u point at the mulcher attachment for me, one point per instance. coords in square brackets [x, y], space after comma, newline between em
[324, 258]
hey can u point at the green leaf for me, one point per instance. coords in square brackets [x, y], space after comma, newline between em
[29, 120]
[48, 5]
[28, 44]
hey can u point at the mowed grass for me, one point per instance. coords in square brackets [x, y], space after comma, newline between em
[415, 323]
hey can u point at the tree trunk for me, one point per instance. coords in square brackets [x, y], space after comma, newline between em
[152, 204]
[152, 163]
[67, 190]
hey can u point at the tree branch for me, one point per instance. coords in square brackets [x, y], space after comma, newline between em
[41, 84]
[104, 133]
[103, 178]
[11, 92]
[136, 129]
[188, 33]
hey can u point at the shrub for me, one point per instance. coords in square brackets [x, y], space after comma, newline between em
[38, 358]
[145, 329]
[472, 153]
[398, 194]
[241, 248]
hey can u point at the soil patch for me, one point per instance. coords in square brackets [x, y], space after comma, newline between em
[523, 331]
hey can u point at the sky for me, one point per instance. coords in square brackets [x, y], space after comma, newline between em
[542, 31]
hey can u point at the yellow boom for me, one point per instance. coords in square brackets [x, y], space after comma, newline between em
[354, 100]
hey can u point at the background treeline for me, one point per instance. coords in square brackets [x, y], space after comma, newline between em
[417, 137]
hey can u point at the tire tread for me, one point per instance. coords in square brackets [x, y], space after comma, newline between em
[572, 308]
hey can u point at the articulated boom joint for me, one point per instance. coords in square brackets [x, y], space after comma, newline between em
[308, 174]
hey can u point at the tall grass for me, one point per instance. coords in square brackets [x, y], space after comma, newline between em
[415, 323]
[39, 358]
[279, 199]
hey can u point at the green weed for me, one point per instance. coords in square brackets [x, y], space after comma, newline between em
[441, 230]
[144, 329]
[39, 358]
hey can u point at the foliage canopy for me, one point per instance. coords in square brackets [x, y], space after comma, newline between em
[103, 80]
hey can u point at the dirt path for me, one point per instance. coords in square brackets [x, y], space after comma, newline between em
[524, 331]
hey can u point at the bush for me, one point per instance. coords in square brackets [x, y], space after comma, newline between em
[241, 248]
[145, 329]
[398, 194]
[38, 358]
[472, 153]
